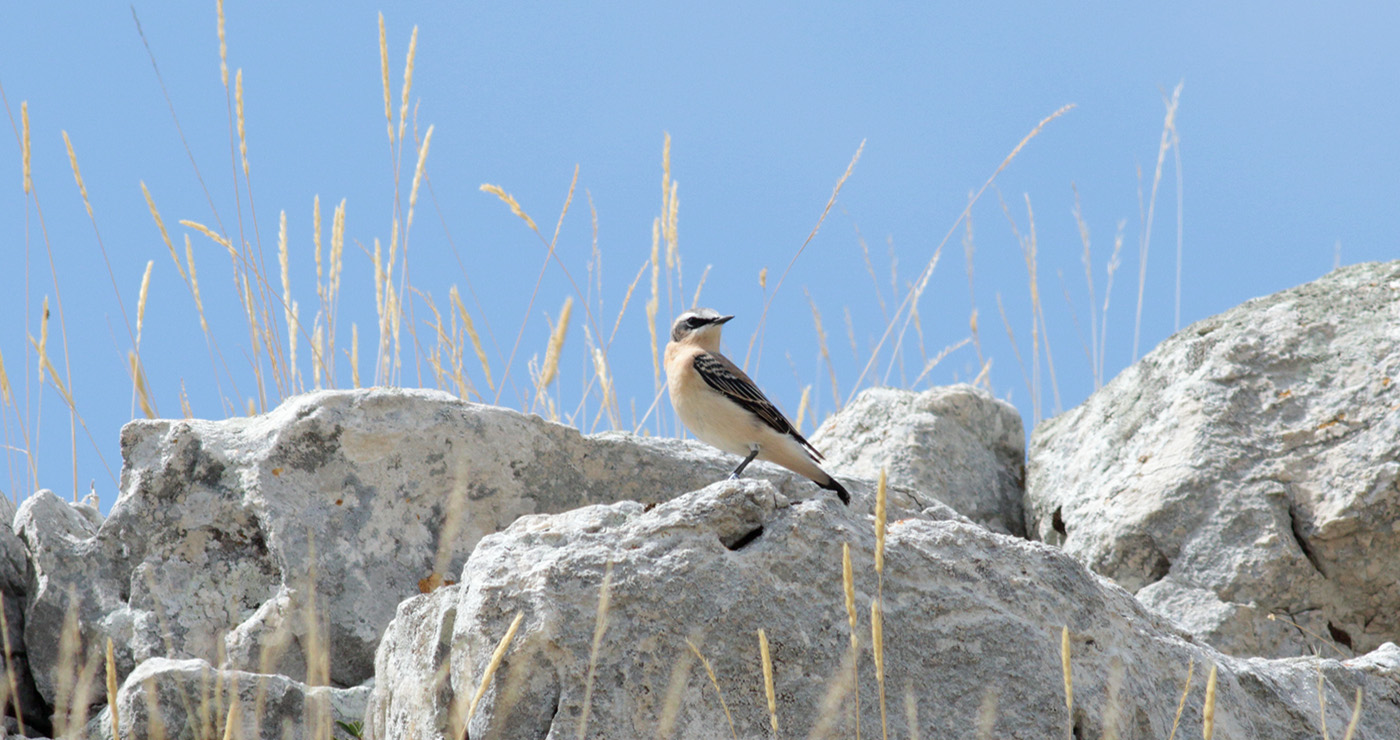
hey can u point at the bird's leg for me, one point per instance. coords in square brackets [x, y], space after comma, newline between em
[753, 452]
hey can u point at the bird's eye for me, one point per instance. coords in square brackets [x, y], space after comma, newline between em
[694, 321]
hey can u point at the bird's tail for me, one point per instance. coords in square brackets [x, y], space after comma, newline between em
[832, 484]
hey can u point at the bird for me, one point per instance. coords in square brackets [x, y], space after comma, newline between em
[722, 406]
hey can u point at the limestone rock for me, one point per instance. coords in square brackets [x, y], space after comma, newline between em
[1253, 455]
[1244, 628]
[971, 620]
[252, 543]
[190, 700]
[14, 584]
[68, 581]
[957, 444]
[13, 560]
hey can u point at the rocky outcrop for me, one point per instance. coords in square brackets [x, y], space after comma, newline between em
[190, 699]
[255, 545]
[1247, 467]
[971, 634]
[427, 565]
[26, 706]
[957, 444]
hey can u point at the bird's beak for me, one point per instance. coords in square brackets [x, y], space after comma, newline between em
[721, 320]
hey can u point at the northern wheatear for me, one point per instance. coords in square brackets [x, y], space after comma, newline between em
[723, 407]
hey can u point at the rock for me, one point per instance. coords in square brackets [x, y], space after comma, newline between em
[87, 508]
[253, 543]
[190, 699]
[69, 589]
[957, 444]
[14, 656]
[971, 624]
[1241, 626]
[412, 665]
[1253, 455]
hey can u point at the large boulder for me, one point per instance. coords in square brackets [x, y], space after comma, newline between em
[1242, 478]
[642, 621]
[68, 591]
[956, 443]
[166, 699]
[26, 706]
[258, 544]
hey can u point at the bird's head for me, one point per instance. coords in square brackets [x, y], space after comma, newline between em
[701, 326]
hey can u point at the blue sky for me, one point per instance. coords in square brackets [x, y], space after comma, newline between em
[1287, 155]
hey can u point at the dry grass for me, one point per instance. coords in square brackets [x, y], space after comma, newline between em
[714, 681]
[216, 701]
[232, 719]
[1208, 711]
[877, 607]
[600, 626]
[839, 687]
[1355, 720]
[825, 351]
[510, 200]
[550, 369]
[1185, 692]
[1168, 140]
[654, 302]
[24, 148]
[911, 713]
[768, 691]
[6, 395]
[803, 404]
[848, 583]
[275, 365]
[492, 666]
[877, 647]
[1113, 705]
[675, 691]
[768, 300]
[115, 716]
[1322, 703]
[912, 297]
[1069, 680]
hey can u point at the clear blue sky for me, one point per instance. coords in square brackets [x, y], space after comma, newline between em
[1288, 158]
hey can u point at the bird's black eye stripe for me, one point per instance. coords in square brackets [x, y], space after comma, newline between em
[690, 324]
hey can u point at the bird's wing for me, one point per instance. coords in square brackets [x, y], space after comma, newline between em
[726, 378]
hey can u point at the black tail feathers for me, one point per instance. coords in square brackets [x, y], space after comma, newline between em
[834, 485]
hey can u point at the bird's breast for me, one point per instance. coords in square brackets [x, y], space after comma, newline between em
[711, 416]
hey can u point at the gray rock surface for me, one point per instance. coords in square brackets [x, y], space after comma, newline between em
[14, 656]
[66, 585]
[1246, 466]
[191, 700]
[957, 443]
[970, 617]
[252, 543]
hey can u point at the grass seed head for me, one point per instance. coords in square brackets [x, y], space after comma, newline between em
[556, 343]
[1208, 712]
[1064, 667]
[510, 200]
[4, 382]
[407, 79]
[24, 119]
[238, 106]
[768, 681]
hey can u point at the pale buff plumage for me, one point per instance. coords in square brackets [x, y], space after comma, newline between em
[721, 405]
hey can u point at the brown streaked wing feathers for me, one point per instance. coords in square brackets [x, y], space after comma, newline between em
[724, 376]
